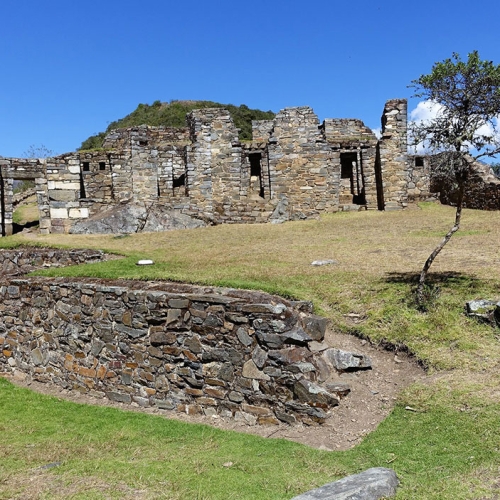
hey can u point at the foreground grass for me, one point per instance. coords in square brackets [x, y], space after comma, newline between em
[131, 455]
[448, 448]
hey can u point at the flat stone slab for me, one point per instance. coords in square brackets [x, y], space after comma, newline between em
[371, 484]
[326, 262]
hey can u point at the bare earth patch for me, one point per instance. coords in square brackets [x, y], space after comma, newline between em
[372, 397]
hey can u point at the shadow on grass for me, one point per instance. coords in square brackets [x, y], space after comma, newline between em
[451, 277]
[434, 284]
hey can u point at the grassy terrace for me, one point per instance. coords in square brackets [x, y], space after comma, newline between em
[448, 449]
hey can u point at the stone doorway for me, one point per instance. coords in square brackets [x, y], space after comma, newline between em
[256, 182]
[352, 189]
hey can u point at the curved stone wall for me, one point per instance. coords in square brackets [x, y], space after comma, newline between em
[242, 354]
[239, 354]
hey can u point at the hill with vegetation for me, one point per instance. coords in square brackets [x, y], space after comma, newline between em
[173, 114]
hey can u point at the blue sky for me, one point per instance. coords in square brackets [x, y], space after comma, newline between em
[68, 68]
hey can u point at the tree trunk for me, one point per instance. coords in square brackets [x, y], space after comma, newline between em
[435, 252]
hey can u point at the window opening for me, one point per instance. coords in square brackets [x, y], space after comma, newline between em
[86, 166]
[179, 181]
[102, 165]
[82, 187]
[143, 143]
[419, 161]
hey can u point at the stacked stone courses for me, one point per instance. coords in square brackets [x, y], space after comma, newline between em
[203, 174]
[239, 354]
[158, 178]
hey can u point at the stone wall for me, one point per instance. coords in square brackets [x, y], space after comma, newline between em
[482, 190]
[301, 165]
[419, 179]
[244, 355]
[293, 168]
[392, 162]
[17, 262]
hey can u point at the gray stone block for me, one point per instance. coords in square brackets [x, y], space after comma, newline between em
[371, 484]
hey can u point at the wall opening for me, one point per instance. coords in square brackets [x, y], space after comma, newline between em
[86, 166]
[378, 180]
[179, 181]
[347, 161]
[419, 161]
[143, 143]
[256, 183]
[25, 207]
[102, 165]
[82, 187]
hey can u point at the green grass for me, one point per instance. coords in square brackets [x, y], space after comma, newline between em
[449, 448]
[171, 459]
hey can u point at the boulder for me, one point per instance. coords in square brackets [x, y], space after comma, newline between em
[484, 310]
[371, 484]
[135, 218]
[343, 360]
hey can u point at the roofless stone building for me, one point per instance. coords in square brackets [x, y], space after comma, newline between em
[156, 178]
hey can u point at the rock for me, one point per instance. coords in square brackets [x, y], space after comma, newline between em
[327, 262]
[250, 370]
[371, 484]
[135, 218]
[315, 327]
[281, 213]
[340, 389]
[314, 395]
[145, 262]
[343, 360]
[243, 336]
[296, 336]
[259, 357]
[484, 310]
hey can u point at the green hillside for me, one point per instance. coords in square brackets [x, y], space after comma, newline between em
[173, 114]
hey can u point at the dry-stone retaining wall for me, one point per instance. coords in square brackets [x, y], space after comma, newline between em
[16, 262]
[240, 354]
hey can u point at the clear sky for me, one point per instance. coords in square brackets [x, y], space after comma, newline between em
[70, 67]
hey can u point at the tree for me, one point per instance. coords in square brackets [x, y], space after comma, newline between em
[466, 95]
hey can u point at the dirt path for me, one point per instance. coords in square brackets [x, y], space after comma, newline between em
[373, 394]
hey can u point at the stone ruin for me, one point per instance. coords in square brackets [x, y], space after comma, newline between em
[157, 178]
[247, 355]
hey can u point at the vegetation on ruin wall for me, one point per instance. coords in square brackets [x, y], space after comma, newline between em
[446, 447]
[173, 114]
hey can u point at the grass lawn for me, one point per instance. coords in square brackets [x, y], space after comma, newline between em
[448, 449]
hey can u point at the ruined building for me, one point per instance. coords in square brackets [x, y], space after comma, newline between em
[156, 178]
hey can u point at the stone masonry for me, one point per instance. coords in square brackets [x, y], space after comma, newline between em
[246, 355]
[156, 178]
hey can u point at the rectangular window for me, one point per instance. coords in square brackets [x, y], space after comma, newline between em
[86, 166]
[102, 165]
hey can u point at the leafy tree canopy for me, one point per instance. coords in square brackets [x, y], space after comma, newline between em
[173, 114]
[467, 97]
